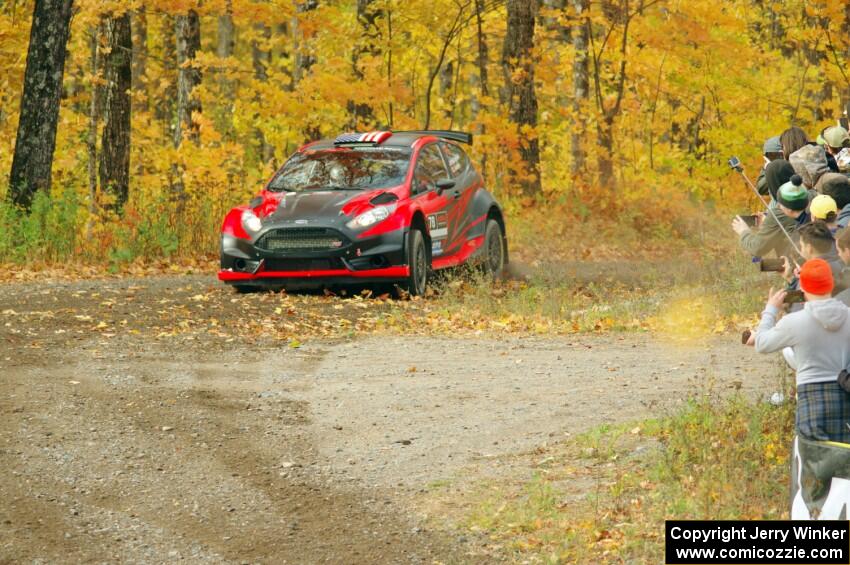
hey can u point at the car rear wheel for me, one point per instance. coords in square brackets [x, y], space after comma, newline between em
[417, 260]
[494, 250]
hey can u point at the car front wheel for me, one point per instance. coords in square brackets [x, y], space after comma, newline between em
[417, 257]
[494, 249]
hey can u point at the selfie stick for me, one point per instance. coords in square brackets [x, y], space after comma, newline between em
[740, 169]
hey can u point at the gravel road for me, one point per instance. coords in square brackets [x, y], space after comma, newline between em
[140, 448]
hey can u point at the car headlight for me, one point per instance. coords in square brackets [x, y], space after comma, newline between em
[371, 217]
[251, 222]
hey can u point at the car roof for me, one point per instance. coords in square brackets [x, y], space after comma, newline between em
[398, 140]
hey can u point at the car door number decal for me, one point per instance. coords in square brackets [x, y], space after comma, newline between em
[438, 225]
[438, 229]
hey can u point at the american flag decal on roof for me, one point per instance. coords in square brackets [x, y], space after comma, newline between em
[372, 138]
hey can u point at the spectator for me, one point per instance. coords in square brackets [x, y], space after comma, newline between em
[772, 150]
[819, 337]
[791, 140]
[823, 208]
[769, 236]
[835, 138]
[810, 162]
[816, 242]
[837, 186]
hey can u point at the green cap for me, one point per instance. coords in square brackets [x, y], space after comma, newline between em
[793, 195]
[836, 136]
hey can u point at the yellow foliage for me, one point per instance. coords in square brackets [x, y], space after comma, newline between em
[702, 81]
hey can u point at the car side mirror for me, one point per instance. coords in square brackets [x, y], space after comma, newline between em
[444, 184]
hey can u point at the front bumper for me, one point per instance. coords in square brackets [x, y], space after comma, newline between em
[351, 260]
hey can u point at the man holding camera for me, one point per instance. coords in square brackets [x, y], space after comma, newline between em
[816, 242]
[819, 337]
[787, 212]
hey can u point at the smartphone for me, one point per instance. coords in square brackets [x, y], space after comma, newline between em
[772, 266]
[794, 297]
[750, 219]
[735, 163]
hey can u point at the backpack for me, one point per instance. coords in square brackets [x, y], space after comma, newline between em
[810, 163]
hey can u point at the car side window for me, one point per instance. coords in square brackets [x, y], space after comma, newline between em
[430, 168]
[457, 159]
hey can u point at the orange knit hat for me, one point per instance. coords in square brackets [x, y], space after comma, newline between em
[816, 277]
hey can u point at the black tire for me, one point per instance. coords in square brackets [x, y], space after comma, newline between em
[493, 257]
[417, 260]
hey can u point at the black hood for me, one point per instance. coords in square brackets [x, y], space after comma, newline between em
[311, 205]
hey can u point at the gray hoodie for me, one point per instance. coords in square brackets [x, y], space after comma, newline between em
[819, 334]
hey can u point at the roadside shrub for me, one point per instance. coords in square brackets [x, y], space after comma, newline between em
[49, 233]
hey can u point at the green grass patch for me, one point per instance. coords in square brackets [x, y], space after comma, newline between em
[605, 496]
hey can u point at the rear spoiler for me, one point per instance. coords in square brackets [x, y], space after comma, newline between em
[459, 136]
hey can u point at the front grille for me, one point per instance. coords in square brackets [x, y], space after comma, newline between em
[301, 239]
[276, 264]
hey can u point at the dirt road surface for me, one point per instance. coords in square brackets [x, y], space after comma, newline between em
[122, 442]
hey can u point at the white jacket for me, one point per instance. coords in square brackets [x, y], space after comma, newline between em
[819, 334]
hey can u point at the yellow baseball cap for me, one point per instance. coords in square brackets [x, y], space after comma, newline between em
[821, 206]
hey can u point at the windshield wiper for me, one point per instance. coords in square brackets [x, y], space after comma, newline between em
[337, 187]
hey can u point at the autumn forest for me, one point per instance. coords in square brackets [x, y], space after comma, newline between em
[171, 111]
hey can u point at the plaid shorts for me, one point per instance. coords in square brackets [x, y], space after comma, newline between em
[823, 412]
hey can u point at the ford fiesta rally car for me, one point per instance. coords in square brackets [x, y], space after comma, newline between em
[365, 208]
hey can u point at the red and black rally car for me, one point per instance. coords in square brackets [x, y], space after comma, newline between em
[363, 208]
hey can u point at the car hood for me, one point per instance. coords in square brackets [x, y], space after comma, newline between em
[321, 204]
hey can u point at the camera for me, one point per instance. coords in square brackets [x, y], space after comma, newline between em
[750, 219]
[771, 265]
[735, 163]
[794, 297]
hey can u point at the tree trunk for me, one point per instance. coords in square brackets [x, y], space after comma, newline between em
[188, 43]
[91, 139]
[605, 135]
[447, 74]
[845, 92]
[560, 32]
[225, 43]
[304, 58]
[368, 44]
[482, 50]
[224, 49]
[519, 94]
[225, 38]
[164, 110]
[139, 22]
[188, 32]
[36, 139]
[608, 113]
[390, 116]
[581, 84]
[115, 141]
[261, 58]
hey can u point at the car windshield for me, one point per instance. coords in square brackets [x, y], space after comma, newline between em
[342, 169]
